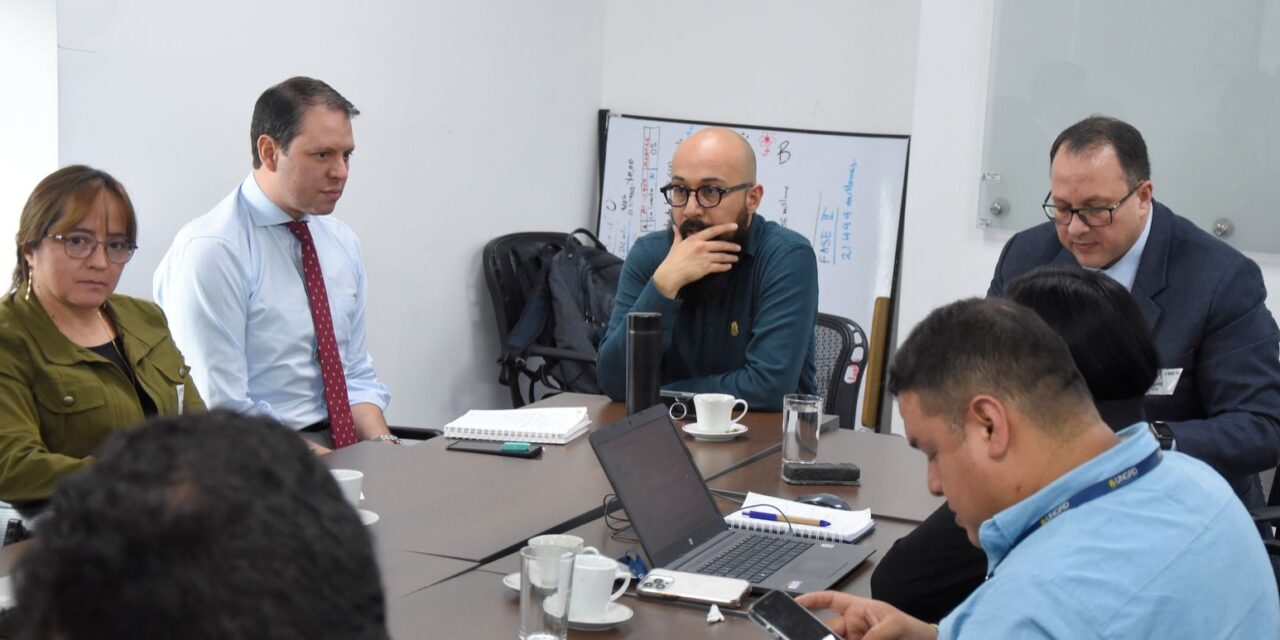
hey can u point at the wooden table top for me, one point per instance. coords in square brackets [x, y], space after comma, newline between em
[893, 483]
[444, 514]
[476, 507]
[454, 609]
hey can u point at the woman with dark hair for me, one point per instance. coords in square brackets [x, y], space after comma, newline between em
[77, 361]
[935, 567]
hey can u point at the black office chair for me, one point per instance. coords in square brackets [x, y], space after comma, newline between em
[1271, 512]
[841, 355]
[512, 266]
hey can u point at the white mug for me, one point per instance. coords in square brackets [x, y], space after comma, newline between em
[560, 541]
[593, 577]
[563, 540]
[349, 481]
[715, 411]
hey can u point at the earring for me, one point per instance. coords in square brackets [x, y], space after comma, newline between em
[30, 280]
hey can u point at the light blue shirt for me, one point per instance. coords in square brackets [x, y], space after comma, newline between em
[231, 286]
[1173, 554]
[1125, 270]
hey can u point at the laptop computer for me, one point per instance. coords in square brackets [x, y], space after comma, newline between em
[680, 527]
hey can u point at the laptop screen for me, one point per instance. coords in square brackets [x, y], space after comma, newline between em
[660, 488]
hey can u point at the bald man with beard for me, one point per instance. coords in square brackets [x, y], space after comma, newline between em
[738, 294]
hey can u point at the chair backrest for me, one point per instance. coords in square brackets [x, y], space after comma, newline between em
[841, 355]
[510, 279]
[1269, 489]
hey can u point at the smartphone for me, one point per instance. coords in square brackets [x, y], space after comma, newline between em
[784, 619]
[694, 587]
[683, 398]
[496, 448]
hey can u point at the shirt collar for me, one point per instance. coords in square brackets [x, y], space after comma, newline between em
[262, 210]
[999, 533]
[755, 234]
[1125, 270]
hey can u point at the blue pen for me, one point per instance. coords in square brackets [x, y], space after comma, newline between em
[764, 515]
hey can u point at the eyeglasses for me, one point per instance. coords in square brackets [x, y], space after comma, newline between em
[1090, 216]
[82, 245]
[677, 195]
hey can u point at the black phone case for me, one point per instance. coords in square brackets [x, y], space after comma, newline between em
[821, 473]
[494, 448]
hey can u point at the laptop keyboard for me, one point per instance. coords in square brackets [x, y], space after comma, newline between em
[754, 557]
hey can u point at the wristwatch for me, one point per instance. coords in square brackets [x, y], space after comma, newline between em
[1163, 434]
[385, 437]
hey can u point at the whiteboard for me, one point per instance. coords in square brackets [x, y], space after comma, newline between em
[842, 191]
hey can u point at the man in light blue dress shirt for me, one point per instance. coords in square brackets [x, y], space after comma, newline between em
[1088, 533]
[232, 283]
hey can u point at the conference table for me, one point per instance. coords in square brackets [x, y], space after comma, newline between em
[478, 507]
[451, 523]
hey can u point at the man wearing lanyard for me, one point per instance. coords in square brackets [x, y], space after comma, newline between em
[1088, 533]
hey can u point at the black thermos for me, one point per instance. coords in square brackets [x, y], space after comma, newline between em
[644, 360]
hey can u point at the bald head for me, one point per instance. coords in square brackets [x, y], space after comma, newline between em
[724, 149]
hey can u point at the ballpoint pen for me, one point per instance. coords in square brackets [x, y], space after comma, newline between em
[764, 515]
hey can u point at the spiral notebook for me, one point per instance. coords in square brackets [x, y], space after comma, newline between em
[846, 526]
[547, 425]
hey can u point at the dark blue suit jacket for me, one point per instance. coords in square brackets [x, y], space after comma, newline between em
[1205, 304]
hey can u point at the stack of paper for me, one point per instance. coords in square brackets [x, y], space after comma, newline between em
[549, 425]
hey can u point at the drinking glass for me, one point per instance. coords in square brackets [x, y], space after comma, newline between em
[546, 576]
[801, 416]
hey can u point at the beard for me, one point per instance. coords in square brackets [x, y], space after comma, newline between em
[714, 287]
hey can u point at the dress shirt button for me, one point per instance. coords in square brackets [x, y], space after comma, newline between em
[68, 400]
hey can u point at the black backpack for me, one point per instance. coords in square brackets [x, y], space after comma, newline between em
[568, 309]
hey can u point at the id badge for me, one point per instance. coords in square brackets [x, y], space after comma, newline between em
[1166, 382]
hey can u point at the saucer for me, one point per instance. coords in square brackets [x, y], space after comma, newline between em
[368, 517]
[614, 614]
[699, 433]
[512, 580]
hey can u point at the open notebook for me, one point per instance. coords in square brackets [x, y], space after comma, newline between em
[846, 526]
[548, 425]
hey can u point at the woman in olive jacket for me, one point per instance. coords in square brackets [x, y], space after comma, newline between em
[77, 362]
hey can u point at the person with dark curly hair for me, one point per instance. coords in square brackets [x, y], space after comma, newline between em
[213, 526]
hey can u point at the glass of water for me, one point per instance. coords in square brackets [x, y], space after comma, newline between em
[546, 576]
[801, 416]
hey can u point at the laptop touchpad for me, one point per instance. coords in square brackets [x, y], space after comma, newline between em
[814, 567]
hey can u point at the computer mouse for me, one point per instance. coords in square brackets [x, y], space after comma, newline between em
[825, 500]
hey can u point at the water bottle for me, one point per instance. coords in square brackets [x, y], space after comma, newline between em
[644, 360]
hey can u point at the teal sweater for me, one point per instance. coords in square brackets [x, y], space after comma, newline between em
[757, 344]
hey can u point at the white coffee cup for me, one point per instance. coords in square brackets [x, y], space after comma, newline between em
[593, 577]
[563, 540]
[715, 411]
[349, 481]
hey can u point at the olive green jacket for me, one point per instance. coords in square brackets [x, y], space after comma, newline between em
[59, 401]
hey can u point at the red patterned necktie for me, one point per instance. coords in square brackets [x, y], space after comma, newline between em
[335, 381]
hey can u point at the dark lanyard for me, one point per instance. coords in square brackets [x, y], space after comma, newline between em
[1096, 490]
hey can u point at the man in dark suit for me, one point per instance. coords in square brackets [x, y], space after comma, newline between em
[1217, 397]
[1218, 394]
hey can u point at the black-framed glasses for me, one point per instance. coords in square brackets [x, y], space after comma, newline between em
[1090, 216]
[677, 195]
[79, 245]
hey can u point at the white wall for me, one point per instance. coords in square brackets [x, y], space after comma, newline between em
[479, 118]
[28, 111]
[836, 65]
